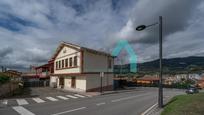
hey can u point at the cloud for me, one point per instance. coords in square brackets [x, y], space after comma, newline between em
[176, 15]
[5, 51]
[31, 30]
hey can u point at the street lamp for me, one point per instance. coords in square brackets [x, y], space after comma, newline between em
[142, 27]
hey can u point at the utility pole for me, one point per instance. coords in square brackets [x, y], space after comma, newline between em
[160, 100]
[142, 27]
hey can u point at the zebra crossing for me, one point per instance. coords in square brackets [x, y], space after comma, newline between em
[20, 102]
[62, 97]
[79, 95]
[52, 99]
[70, 96]
[38, 100]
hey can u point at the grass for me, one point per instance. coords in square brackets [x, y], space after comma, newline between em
[192, 104]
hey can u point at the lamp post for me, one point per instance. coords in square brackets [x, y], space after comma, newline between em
[142, 27]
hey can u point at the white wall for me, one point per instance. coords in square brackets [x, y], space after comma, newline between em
[94, 80]
[53, 79]
[81, 83]
[96, 63]
[62, 56]
[67, 82]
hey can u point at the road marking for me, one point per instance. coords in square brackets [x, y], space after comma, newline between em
[126, 98]
[22, 102]
[121, 99]
[22, 111]
[38, 100]
[70, 111]
[5, 102]
[79, 95]
[98, 104]
[52, 99]
[62, 97]
[145, 112]
[71, 96]
[89, 95]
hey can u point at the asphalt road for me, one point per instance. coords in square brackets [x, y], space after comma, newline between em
[127, 103]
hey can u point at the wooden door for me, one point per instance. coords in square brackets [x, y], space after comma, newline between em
[61, 82]
[73, 84]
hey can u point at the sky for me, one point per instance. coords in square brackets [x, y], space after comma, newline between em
[31, 30]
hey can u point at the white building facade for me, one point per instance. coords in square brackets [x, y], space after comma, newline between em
[78, 68]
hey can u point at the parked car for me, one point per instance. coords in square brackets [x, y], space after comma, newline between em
[192, 90]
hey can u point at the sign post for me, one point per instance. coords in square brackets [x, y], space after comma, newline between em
[101, 76]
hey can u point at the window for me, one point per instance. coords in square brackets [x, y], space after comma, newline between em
[56, 66]
[62, 63]
[75, 61]
[59, 64]
[109, 64]
[66, 63]
[70, 62]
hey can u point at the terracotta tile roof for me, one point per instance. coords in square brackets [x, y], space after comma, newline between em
[151, 78]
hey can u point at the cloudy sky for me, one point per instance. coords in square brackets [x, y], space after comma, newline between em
[30, 30]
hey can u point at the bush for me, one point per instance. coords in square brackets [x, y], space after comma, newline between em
[4, 78]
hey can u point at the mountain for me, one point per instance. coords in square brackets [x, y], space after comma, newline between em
[173, 65]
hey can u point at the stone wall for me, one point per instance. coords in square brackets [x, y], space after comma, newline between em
[8, 88]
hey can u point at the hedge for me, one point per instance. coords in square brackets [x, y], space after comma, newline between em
[4, 78]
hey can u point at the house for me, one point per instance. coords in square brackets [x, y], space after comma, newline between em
[147, 80]
[170, 79]
[78, 68]
[194, 76]
[38, 76]
[200, 83]
[13, 74]
[44, 71]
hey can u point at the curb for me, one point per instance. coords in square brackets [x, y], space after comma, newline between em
[150, 109]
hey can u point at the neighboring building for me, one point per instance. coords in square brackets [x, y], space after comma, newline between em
[194, 76]
[44, 72]
[38, 76]
[148, 80]
[170, 79]
[180, 77]
[13, 74]
[30, 79]
[200, 83]
[78, 68]
[32, 69]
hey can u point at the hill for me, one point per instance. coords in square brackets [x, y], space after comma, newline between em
[174, 65]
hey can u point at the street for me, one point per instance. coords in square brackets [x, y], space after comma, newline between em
[134, 102]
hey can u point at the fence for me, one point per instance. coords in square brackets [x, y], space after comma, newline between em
[36, 83]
